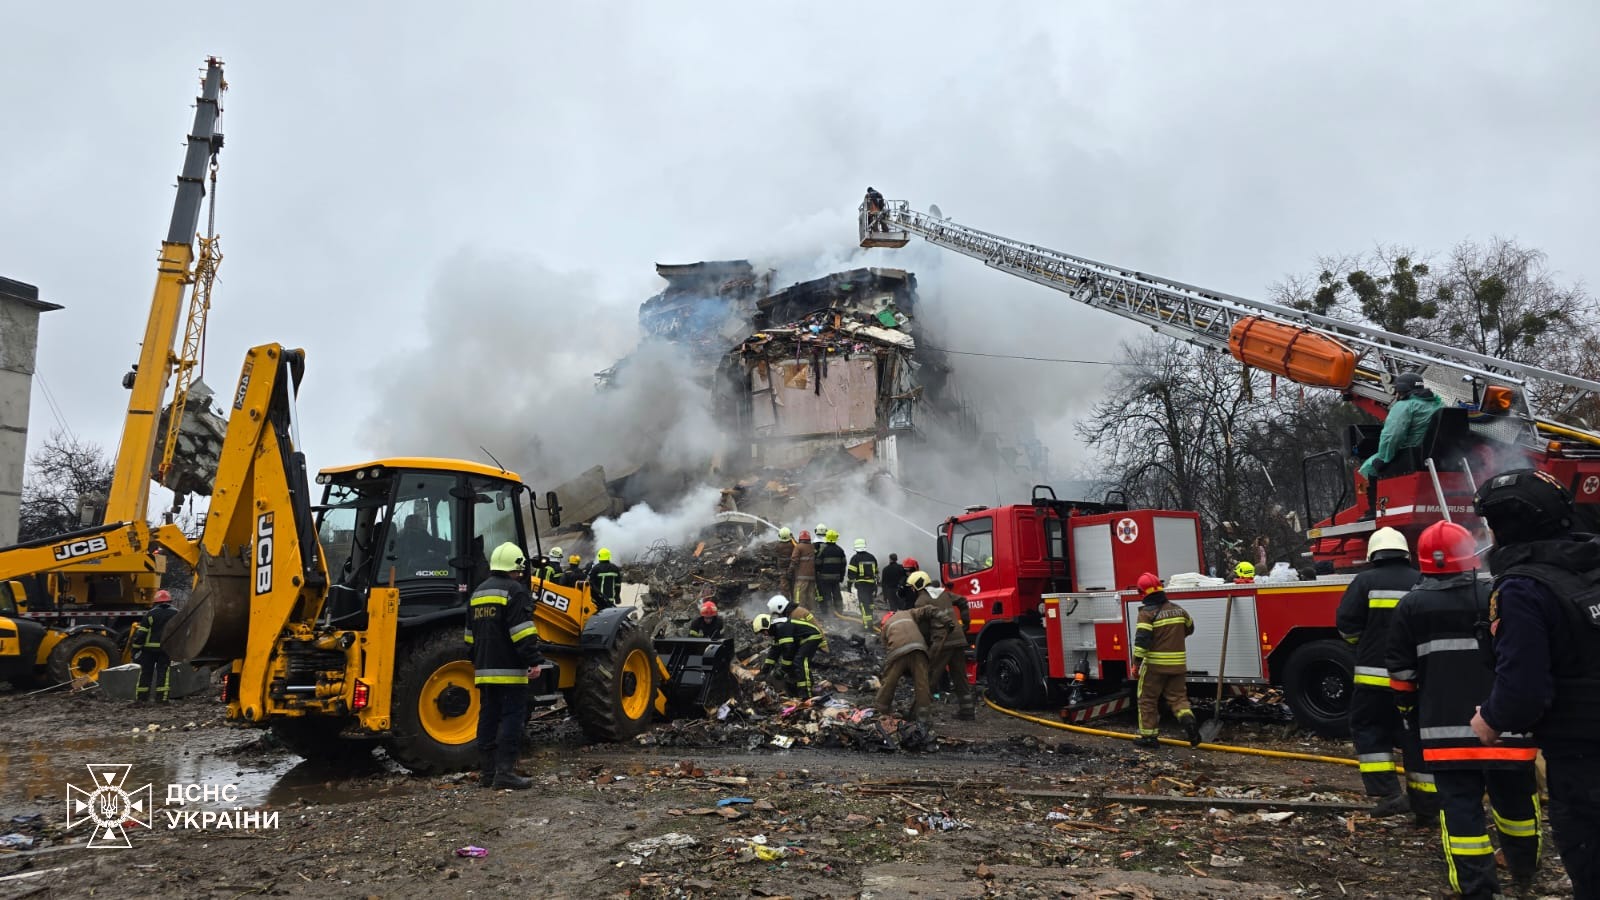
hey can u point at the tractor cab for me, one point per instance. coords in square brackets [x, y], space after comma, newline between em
[426, 525]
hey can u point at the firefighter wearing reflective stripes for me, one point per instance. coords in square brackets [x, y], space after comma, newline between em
[1435, 656]
[794, 643]
[863, 574]
[947, 653]
[155, 666]
[1376, 724]
[1159, 641]
[505, 647]
[605, 580]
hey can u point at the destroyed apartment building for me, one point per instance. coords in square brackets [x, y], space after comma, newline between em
[817, 379]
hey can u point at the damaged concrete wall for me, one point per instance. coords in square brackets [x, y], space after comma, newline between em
[20, 307]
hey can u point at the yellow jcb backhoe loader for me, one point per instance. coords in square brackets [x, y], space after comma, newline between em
[345, 621]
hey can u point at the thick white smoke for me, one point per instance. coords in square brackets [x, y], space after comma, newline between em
[632, 533]
[505, 359]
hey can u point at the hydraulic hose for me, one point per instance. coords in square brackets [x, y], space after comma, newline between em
[1221, 748]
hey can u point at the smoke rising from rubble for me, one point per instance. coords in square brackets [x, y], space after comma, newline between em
[631, 534]
[506, 361]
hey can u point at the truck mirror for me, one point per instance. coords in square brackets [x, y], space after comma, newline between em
[553, 506]
[944, 549]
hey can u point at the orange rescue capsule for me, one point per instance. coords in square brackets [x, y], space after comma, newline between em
[1301, 354]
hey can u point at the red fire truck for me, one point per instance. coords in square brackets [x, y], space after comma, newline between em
[1048, 585]
[1047, 582]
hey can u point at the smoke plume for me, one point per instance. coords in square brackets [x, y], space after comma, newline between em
[632, 533]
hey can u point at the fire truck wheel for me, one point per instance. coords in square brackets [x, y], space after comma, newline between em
[1318, 683]
[1013, 675]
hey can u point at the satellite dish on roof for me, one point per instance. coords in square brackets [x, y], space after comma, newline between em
[934, 210]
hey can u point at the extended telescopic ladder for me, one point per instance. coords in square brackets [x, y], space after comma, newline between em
[1205, 317]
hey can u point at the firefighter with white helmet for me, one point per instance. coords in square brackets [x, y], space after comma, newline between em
[863, 574]
[1377, 724]
[782, 607]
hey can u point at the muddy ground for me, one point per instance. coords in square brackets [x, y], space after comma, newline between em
[997, 807]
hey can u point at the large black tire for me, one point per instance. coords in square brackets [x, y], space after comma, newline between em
[318, 738]
[1318, 682]
[434, 705]
[615, 692]
[1013, 675]
[82, 655]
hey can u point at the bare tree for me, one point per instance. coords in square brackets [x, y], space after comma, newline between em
[61, 475]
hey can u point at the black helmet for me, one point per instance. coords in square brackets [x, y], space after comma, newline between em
[1525, 505]
[869, 188]
[1406, 384]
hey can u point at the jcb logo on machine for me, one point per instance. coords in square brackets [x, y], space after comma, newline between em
[244, 385]
[75, 549]
[264, 553]
[556, 600]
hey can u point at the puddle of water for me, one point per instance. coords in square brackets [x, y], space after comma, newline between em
[36, 770]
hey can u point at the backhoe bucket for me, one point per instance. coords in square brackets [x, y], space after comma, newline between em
[698, 673]
[214, 622]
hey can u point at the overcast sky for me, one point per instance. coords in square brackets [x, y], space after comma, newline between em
[377, 151]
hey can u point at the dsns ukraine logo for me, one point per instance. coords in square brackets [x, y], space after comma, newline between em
[109, 805]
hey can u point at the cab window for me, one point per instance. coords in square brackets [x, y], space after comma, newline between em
[974, 546]
[494, 522]
[422, 528]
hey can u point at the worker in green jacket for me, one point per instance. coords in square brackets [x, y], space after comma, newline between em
[1403, 430]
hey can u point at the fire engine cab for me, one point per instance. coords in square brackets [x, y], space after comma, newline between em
[1049, 586]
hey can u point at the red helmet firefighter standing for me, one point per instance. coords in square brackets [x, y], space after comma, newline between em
[1162, 662]
[1435, 657]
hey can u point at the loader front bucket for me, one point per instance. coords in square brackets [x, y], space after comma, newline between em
[214, 622]
[698, 674]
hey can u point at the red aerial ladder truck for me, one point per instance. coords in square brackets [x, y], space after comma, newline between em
[1048, 582]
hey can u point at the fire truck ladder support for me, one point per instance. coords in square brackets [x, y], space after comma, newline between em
[1172, 742]
[1206, 318]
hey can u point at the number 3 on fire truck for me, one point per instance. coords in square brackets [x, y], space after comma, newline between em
[1127, 531]
[974, 584]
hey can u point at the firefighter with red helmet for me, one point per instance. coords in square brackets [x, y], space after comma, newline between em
[1434, 656]
[904, 596]
[155, 666]
[803, 570]
[1545, 632]
[708, 624]
[1161, 660]
[1377, 725]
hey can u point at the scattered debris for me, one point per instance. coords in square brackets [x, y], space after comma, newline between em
[471, 851]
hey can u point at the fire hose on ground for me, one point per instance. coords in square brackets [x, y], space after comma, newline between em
[1173, 742]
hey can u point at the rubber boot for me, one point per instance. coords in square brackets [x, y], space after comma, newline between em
[1392, 805]
[1192, 729]
[1147, 741]
[487, 770]
[510, 780]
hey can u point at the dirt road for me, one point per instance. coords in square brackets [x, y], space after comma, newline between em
[1000, 808]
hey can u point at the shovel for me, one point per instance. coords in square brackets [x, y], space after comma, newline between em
[1213, 725]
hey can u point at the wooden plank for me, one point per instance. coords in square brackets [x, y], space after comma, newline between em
[1236, 803]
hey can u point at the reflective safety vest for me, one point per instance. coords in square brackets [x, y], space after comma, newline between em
[605, 580]
[147, 635]
[1159, 638]
[501, 631]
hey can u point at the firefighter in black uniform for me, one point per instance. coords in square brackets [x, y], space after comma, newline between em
[894, 577]
[505, 652]
[605, 580]
[708, 624]
[1435, 657]
[863, 573]
[1545, 628]
[155, 667]
[1376, 725]
[831, 566]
